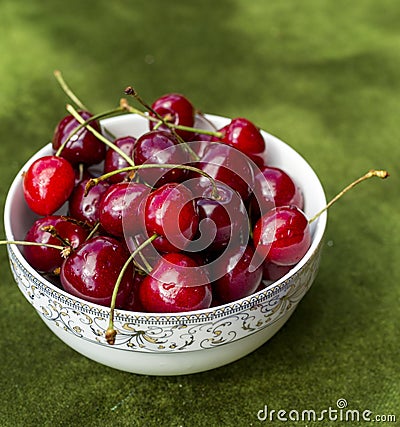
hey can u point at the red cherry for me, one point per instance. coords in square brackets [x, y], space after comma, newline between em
[92, 270]
[45, 259]
[83, 147]
[47, 184]
[273, 187]
[273, 272]
[162, 244]
[228, 165]
[221, 222]
[120, 208]
[85, 207]
[114, 161]
[176, 284]
[176, 109]
[282, 235]
[170, 211]
[160, 147]
[132, 302]
[243, 135]
[238, 276]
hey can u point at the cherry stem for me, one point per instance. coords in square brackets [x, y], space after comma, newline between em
[64, 250]
[378, 173]
[111, 332]
[53, 231]
[94, 181]
[147, 267]
[93, 230]
[68, 91]
[26, 243]
[85, 123]
[101, 137]
[132, 92]
[127, 107]
[124, 106]
[81, 170]
[162, 120]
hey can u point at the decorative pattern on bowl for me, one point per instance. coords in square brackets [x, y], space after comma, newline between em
[166, 333]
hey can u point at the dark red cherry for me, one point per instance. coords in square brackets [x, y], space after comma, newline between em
[83, 147]
[45, 259]
[47, 184]
[132, 302]
[239, 275]
[113, 160]
[228, 165]
[120, 208]
[273, 272]
[176, 284]
[92, 270]
[86, 207]
[273, 187]
[162, 244]
[221, 222]
[170, 211]
[160, 147]
[243, 135]
[176, 109]
[282, 235]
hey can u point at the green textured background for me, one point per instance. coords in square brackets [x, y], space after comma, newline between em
[322, 75]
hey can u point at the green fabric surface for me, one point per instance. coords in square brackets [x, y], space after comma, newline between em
[324, 76]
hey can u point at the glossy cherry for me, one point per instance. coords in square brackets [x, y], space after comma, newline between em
[174, 108]
[274, 187]
[243, 135]
[121, 208]
[160, 147]
[221, 222]
[239, 275]
[176, 284]
[43, 258]
[228, 165]
[85, 207]
[132, 301]
[273, 272]
[83, 147]
[113, 160]
[92, 270]
[47, 184]
[162, 244]
[282, 235]
[170, 211]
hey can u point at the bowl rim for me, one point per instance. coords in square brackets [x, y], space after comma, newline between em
[213, 312]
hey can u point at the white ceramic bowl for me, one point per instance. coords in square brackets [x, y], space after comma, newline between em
[170, 344]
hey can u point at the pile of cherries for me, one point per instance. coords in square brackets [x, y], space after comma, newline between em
[177, 219]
